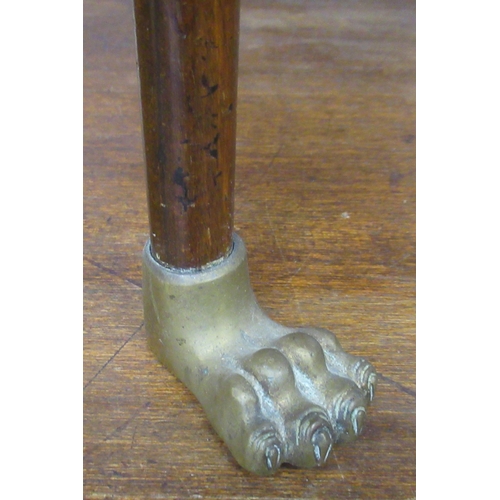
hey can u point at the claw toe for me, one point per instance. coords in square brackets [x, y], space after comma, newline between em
[314, 440]
[372, 383]
[357, 420]
[273, 457]
[349, 413]
[322, 441]
[267, 454]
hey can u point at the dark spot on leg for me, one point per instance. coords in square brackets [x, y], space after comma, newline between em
[180, 179]
[409, 139]
[211, 147]
[212, 89]
[394, 178]
[186, 202]
[209, 88]
[216, 176]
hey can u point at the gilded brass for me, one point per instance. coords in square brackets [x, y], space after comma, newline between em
[274, 394]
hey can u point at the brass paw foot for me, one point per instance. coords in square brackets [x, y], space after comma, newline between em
[274, 394]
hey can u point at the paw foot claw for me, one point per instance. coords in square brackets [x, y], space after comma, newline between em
[372, 384]
[349, 412]
[365, 377]
[357, 420]
[314, 440]
[266, 453]
[274, 394]
[273, 458]
[322, 442]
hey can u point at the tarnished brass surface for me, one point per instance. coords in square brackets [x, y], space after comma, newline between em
[274, 394]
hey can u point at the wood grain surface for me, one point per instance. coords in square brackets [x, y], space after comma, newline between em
[325, 201]
[188, 61]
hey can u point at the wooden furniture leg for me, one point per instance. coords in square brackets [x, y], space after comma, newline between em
[188, 60]
[274, 394]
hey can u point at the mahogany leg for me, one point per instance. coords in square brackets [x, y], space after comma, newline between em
[188, 61]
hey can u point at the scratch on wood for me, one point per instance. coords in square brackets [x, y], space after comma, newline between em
[120, 428]
[401, 387]
[114, 356]
[112, 271]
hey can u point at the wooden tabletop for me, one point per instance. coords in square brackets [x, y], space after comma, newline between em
[325, 201]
